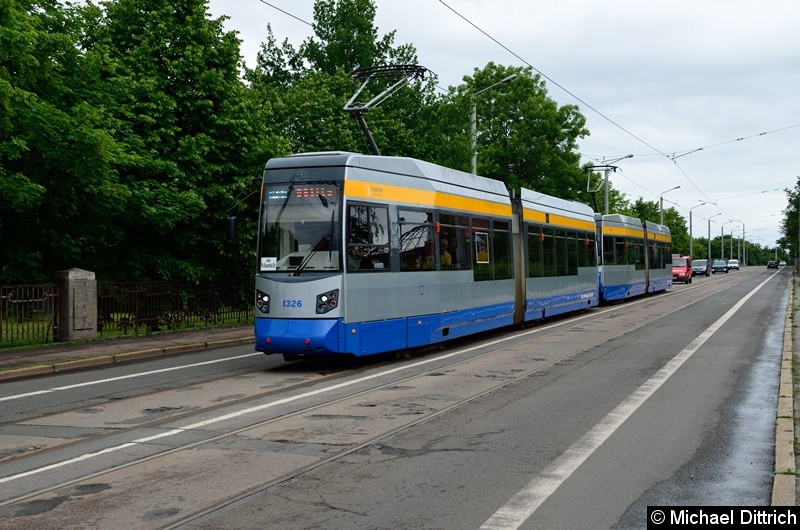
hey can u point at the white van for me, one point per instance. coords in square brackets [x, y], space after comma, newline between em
[733, 264]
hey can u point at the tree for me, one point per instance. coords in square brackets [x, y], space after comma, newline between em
[309, 101]
[790, 224]
[523, 137]
[191, 143]
[56, 158]
[346, 38]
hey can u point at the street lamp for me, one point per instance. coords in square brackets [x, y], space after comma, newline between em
[709, 234]
[738, 253]
[691, 239]
[722, 238]
[473, 120]
[661, 202]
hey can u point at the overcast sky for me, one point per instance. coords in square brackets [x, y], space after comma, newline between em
[654, 79]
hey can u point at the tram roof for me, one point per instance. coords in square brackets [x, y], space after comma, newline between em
[551, 203]
[626, 220]
[405, 166]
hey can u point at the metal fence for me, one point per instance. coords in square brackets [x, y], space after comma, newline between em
[146, 307]
[29, 313]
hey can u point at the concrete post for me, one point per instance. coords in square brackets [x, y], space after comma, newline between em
[77, 301]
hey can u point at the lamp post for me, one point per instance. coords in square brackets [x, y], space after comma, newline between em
[709, 234]
[691, 239]
[722, 239]
[661, 203]
[473, 120]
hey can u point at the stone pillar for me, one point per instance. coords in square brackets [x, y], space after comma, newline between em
[77, 303]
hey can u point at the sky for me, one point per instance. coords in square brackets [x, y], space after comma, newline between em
[705, 94]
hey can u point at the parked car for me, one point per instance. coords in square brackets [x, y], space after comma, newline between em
[772, 264]
[681, 269]
[719, 266]
[733, 264]
[700, 267]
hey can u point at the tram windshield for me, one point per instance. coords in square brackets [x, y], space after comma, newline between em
[299, 229]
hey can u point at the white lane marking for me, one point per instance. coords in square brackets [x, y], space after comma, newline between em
[527, 500]
[250, 410]
[131, 376]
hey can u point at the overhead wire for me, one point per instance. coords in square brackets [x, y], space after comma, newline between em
[553, 81]
[610, 120]
[656, 151]
[286, 13]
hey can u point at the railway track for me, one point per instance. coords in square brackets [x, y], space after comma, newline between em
[215, 444]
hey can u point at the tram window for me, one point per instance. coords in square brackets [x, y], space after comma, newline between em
[654, 256]
[416, 241]
[451, 241]
[638, 254]
[503, 265]
[561, 253]
[460, 243]
[480, 224]
[572, 254]
[368, 238]
[535, 238]
[609, 245]
[586, 250]
[630, 251]
[620, 251]
[549, 252]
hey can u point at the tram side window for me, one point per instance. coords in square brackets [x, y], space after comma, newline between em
[549, 252]
[481, 235]
[586, 250]
[638, 254]
[368, 238]
[654, 251]
[503, 264]
[416, 241]
[455, 241]
[535, 253]
[609, 246]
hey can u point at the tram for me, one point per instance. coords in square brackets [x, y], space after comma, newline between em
[364, 254]
[636, 257]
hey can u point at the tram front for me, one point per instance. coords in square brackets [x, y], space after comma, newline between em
[299, 276]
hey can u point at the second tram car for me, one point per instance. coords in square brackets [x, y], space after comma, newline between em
[362, 254]
[636, 257]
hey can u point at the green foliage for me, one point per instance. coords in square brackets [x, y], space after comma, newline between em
[130, 129]
[790, 224]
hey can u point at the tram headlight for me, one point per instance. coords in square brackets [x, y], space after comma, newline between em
[262, 301]
[327, 301]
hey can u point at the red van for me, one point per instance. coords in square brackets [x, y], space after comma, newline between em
[681, 268]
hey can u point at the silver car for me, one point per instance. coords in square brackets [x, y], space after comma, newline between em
[700, 267]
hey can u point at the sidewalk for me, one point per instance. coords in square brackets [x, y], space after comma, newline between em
[17, 363]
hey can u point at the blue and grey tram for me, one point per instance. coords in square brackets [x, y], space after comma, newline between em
[362, 254]
[635, 257]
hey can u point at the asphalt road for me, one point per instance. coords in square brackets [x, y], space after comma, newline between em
[577, 423]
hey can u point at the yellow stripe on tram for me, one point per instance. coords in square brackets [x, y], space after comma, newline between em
[535, 216]
[399, 194]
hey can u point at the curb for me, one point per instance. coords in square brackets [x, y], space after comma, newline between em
[117, 358]
[784, 483]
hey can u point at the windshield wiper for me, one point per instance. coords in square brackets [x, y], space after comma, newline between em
[327, 238]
